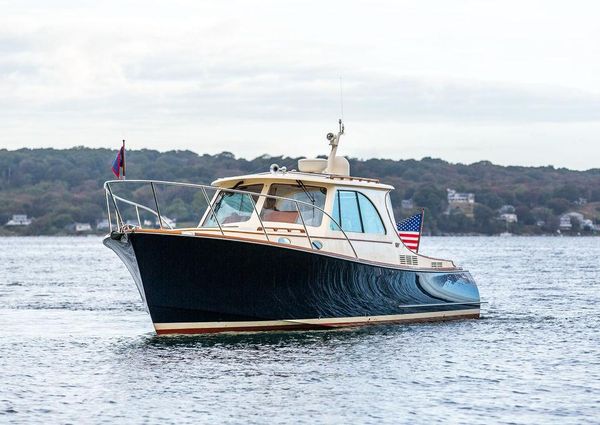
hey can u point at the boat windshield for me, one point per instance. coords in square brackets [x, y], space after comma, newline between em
[285, 211]
[232, 207]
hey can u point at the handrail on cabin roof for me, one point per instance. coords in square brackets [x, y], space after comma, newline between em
[325, 176]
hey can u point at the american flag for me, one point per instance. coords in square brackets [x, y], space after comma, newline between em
[409, 231]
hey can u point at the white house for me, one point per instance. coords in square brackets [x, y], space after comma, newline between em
[509, 217]
[588, 224]
[102, 224]
[455, 197]
[168, 222]
[19, 220]
[565, 220]
[463, 202]
[82, 227]
[565, 223]
[506, 209]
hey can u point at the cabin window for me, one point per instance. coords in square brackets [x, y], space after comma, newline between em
[347, 212]
[312, 201]
[370, 217]
[232, 207]
[356, 213]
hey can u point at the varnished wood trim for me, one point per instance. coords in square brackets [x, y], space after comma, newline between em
[283, 229]
[301, 234]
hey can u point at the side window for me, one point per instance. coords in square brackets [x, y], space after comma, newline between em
[370, 217]
[349, 213]
[356, 213]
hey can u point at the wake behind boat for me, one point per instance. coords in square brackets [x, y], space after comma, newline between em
[308, 249]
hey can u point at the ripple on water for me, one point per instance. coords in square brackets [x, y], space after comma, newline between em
[77, 346]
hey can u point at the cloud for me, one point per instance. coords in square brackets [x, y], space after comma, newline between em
[83, 69]
[78, 79]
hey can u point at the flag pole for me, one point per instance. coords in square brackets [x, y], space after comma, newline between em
[123, 159]
[421, 228]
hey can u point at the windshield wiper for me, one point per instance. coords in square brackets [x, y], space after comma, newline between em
[308, 194]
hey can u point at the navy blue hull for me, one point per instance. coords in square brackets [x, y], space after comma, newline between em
[197, 279]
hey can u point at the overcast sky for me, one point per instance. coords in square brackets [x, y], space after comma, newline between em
[513, 82]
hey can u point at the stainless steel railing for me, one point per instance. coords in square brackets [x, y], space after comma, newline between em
[164, 221]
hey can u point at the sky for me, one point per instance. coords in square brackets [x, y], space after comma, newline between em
[512, 82]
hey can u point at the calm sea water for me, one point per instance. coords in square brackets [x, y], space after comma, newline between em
[77, 346]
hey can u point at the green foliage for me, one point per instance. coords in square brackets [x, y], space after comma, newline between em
[485, 219]
[559, 205]
[59, 187]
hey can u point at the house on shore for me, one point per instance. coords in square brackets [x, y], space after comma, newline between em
[566, 220]
[455, 197]
[102, 224]
[461, 201]
[506, 209]
[80, 227]
[509, 217]
[19, 220]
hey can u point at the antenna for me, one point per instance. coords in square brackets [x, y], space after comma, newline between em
[341, 100]
[334, 139]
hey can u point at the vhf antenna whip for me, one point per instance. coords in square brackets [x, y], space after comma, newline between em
[334, 140]
[341, 120]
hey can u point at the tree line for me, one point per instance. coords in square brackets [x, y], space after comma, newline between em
[59, 187]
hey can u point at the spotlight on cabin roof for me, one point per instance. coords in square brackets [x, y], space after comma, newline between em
[334, 165]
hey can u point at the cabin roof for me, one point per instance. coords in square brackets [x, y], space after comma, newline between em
[313, 178]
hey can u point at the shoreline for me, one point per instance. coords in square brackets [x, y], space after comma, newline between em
[453, 235]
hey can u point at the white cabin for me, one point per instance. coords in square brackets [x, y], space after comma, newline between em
[361, 206]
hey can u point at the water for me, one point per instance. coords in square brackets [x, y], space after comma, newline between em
[76, 346]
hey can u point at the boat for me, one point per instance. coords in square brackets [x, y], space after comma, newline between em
[299, 249]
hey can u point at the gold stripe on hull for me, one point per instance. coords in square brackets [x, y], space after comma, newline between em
[292, 324]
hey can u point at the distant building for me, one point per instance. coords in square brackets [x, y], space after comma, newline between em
[509, 217]
[102, 224]
[462, 203]
[19, 220]
[506, 209]
[566, 220]
[577, 216]
[407, 204]
[565, 223]
[455, 197]
[581, 201]
[167, 222]
[82, 227]
[588, 224]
